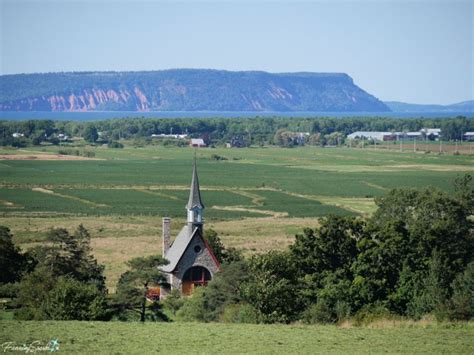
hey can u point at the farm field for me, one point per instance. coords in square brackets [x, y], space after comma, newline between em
[215, 338]
[256, 198]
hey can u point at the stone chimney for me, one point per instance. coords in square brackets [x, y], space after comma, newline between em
[166, 234]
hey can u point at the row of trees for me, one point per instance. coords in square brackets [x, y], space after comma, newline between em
[258, 130]
[414, 256]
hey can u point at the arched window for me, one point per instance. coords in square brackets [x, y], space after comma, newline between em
[194, 277]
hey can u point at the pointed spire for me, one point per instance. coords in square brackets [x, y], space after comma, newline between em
[194, 193]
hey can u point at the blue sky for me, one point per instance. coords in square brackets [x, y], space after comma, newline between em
[412, 51]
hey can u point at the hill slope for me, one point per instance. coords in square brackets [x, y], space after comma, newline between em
[184, 90]
[465, 106]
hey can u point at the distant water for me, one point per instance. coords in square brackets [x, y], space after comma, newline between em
[95, 116]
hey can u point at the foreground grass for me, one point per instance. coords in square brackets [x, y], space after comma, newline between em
[184, 338]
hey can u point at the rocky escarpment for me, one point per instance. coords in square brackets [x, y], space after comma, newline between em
[184, 90]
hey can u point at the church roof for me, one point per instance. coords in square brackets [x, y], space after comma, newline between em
[177, 249]
[194, 193]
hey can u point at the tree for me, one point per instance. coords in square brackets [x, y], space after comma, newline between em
[132, 288]
[462, 302]
[223, 254]
[66, 282]
[464, 192]
[273, 289]
[67, 254]
[91, 134]
[12, 262]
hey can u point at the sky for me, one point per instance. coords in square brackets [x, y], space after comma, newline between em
[400, 50]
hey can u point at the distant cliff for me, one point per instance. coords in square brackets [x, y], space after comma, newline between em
[184, 90]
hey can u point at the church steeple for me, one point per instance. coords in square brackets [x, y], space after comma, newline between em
[195, 205]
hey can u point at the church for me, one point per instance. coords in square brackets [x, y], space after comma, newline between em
[192, 262]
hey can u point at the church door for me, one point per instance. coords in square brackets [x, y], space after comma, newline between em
[194, 277]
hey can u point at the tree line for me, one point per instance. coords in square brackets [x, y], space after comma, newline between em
[249, 131]
[412, 258]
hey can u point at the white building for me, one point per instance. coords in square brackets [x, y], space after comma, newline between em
[175, 136]
[376, 136]
[197, 143]
[469, 136]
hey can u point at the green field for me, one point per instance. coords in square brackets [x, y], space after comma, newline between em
[256, 198]
[153, 180]
[186, 338]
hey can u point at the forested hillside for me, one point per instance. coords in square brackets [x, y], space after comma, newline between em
[184, 90]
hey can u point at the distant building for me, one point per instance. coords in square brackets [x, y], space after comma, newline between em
[431, 133]
[174, 136]
[469, 136]
[410, 136]
[63, 137]
[197, 143]
[376, 136]
[17, 135]
[428, 133]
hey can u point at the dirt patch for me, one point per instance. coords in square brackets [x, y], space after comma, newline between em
[8, 204]
[433, 167]
[74, 198]
[274, 214]
[43, 157]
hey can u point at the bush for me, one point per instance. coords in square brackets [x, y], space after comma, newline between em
[239, 313]
[113, 144]
[217, 157]
[193, 309]
[173, 302]
[319, 312]
[370, 313]
[74, 300]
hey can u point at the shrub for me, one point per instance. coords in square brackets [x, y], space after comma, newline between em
[74, 300]
[193, 308]
[217, 157]
[173, 302]
[319, 312]
[370, 313]
[113, 144]
[239, 313]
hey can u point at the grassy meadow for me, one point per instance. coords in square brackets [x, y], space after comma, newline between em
[217, 338]
[256, 198]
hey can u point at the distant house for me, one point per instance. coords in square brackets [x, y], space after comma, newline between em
[469, 136]
[63, 137]
[17, 135]
[197, 143]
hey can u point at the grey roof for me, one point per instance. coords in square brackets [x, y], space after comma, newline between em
[178, 248]
[194, 193]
